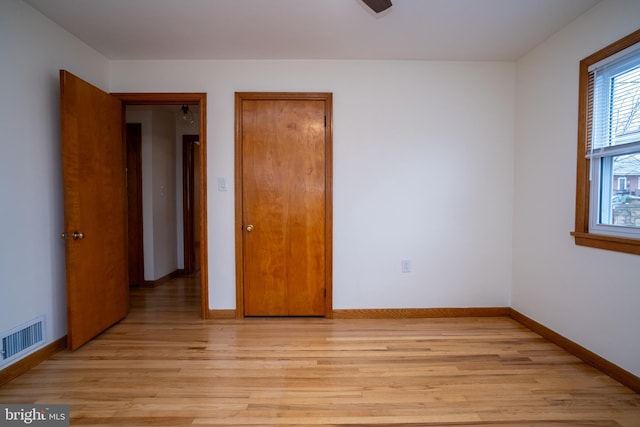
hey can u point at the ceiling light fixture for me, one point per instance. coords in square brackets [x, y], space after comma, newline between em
[378, 5]
[187, 115]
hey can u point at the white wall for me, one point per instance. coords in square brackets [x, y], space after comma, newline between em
[32, 275]
[159, 200]
[144, 117]
[423, 169]
[588, 295]
[163, 188]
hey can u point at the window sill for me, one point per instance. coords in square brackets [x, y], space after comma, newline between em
[599, 241]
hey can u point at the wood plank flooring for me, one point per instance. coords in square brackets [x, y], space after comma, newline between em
[164, 366]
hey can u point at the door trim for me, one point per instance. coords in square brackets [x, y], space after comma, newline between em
[137, 98]
[327, 97]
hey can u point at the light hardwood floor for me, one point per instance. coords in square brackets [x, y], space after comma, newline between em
[164, 366]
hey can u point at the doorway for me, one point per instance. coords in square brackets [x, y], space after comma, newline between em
[283, 204]
[191, 202]
[134, 204]
[177, 100]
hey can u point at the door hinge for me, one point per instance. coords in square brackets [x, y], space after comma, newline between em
[325, 125]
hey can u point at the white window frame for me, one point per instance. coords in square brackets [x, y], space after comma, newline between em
[600, 210]
[622, 183]
[602, 154]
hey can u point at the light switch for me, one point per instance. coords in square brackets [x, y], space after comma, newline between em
[406, 265]
[222, 183]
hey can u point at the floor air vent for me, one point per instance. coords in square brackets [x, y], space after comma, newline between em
[22, 339]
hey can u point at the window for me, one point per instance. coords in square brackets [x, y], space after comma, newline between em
[607, 206]
[622, 184]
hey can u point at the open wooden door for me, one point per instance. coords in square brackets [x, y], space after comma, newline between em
[95, 228]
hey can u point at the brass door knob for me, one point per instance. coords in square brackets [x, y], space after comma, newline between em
[249, 227]
[76, 235]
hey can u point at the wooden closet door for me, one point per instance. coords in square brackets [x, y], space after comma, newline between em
[284, 207]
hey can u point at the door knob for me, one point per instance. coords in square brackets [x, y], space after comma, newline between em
[250, 227]
[76, 235]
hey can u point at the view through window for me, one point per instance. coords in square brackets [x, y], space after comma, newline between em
[615, 145]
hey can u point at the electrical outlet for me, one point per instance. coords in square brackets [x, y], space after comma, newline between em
[406, 265]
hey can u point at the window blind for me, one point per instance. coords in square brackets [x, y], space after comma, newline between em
[613, 115]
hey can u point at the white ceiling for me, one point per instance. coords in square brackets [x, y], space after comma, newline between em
[500, 30]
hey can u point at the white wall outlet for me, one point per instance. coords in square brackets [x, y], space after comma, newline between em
[405, 265]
